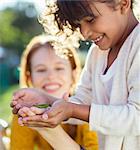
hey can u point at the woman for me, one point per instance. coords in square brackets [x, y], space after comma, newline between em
[42, 68]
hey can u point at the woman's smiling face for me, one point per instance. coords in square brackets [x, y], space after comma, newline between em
[51, 72]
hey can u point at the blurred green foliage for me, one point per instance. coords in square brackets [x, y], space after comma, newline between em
[18, 25]
[5, 99]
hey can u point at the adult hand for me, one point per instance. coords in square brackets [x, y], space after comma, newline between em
[29, 97]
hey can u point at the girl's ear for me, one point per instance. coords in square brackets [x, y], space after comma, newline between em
[125, 6]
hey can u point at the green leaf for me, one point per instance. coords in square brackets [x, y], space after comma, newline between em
[42, 105]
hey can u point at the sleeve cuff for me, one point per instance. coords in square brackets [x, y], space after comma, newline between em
[95, 116]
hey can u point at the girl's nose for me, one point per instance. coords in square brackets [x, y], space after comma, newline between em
[86, 31]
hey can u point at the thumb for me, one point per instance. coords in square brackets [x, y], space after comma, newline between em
[66, 96]
[45, 116]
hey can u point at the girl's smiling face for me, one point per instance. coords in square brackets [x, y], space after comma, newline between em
[51, 72]
[107, 27]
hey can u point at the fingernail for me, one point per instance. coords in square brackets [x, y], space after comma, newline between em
[14, 102]
[45, 116]
[20, 122]
[14, 97]
[23, 115]
[18, 106]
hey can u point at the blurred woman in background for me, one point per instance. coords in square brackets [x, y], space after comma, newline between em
[56, 74]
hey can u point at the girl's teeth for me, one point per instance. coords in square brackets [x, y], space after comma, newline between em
[98, 39]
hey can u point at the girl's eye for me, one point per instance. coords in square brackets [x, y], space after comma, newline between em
[90, 20]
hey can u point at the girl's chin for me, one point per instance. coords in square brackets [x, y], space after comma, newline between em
[103, 47]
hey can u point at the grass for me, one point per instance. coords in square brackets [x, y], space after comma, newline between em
[5, 99]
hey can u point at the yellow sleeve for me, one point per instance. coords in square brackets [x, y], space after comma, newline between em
[22, 138]
[86, 138]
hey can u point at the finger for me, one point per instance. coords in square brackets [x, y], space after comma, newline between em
[37, 121]
[15, 110]
[27, 111]
[38, 111]
[13, 103]
[35, 118]
[18, 94]
[53, 121]
[21, 113]
[52, 111]
[45, 116]
[66, 96]
[18, 106]
[20, 122]
[58, 117]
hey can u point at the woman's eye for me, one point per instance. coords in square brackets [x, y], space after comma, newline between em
[60, 68]
[40, 70]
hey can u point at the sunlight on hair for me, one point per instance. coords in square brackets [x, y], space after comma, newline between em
[64, 39]
[137, 8]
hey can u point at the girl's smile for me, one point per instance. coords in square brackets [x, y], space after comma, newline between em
[98, 39]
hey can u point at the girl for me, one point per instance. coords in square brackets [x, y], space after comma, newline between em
[108, 95]
[43, 69]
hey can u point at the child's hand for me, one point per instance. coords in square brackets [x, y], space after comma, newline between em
[28, 97]
[54, 115]
[27, 112]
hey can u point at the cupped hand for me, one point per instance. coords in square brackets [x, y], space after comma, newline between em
[28, 97]
[60, 110]
[32, 111]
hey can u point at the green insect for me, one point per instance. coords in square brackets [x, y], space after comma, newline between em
[42, 105]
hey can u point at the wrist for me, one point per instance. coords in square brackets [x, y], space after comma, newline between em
[79, 111]
[72, 109]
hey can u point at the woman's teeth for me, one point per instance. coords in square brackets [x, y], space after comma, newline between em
[51, 87]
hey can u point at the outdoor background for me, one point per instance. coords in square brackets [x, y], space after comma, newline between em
[18, 24]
